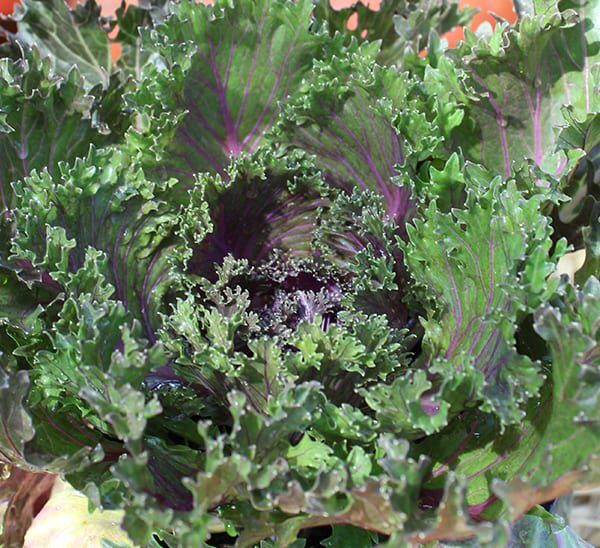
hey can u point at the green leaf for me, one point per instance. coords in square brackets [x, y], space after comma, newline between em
[70, 37]
[309, 453]
[343, 536]
[404, 406]
[570, 327]
[46, 120]
[346, 422]
[20, 305]
[479, 268]
[86, 400]
[522, 77]
[225, 71]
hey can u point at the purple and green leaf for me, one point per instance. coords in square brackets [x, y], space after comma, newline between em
[99, 222]
[226, 71]
[522, 77]
[260, 208]
[47, 120]
[469, 264]
[535, 461]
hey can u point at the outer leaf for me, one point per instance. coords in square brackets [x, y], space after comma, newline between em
[81, 37]
[373, 505]
[225, 71]
[479, 266]
[571, 330]
[46, 120]
[400, 24]
[25, 307]
[579, 219]
[535, 461]
[70, 37]
[522, 77]
[85, 397]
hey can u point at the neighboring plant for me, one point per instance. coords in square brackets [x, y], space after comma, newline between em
[266, 283]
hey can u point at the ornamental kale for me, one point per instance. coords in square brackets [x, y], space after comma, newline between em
[267, 281]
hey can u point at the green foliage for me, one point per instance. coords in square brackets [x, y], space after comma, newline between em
[81, 37]
[480, 267]
[46, 120]
[264, 278]
[403, 26]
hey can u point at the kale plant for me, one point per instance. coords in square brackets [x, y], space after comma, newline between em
[264, 280]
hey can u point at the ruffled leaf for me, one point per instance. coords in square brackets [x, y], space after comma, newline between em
[358, 138]
[481, 266]
[102, 221]
[535, 462]
[46, 120]
[226, 70]
[522, 77]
